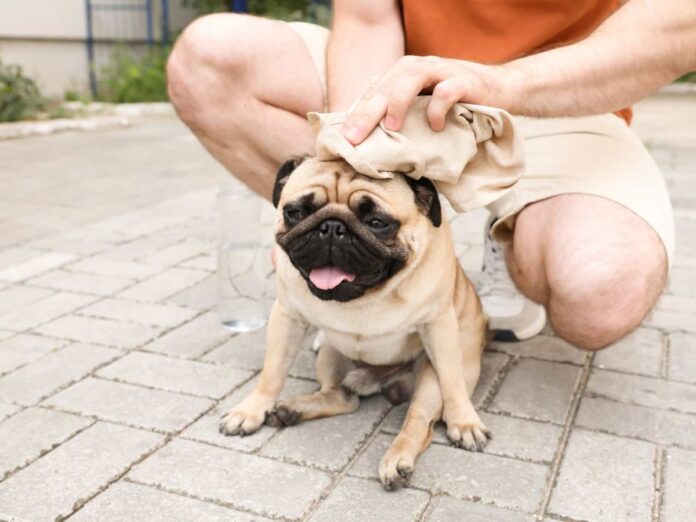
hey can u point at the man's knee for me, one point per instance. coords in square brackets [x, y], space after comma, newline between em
[203, 59]
[595, 300]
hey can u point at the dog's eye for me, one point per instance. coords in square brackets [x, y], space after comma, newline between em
[293, 215]
[376, 224]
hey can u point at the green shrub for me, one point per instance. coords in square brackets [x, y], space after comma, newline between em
[20, 98]
[291, 10]
[688, 77]
[128, 79]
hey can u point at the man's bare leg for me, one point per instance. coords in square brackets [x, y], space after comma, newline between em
[595, 265]
[243, 84]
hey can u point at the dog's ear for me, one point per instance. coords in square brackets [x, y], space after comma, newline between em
[425, 194]
[283, 175]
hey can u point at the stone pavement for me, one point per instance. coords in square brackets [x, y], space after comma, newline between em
[114, 368]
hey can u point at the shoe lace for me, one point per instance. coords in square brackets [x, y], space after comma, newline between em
[495, 279]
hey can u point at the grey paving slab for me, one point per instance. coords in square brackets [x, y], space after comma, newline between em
[50, 487]
[639, 352]
[449, 509]
[33, 432]
[203, 262]
[164, 284]
[679, 485]
[81, 283]
[101, 265]
[4, 334]
[604, 478]
[7, 409]
[512, 437]
[191, 339]
[366, 501]
[328, 443]
[33, 266]
[491, 365]
[537, 390]
[150, 314]
[39, 379]
[205, 429]
[34, 314]
[630, 420]
[264, 486]
[99, 331]
[177, 375]
[24, 348]
[201, 296]
[128, 501]
[644, 391]
[682, 358]
[15, 296]
[128, 404]
[481, 476]
[177, 253]
[543, 347]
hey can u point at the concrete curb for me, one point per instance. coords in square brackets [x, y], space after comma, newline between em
[26, 129]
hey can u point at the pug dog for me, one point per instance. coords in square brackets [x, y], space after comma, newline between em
[371, 264]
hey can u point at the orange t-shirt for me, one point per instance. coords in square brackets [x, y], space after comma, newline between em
[497, 31]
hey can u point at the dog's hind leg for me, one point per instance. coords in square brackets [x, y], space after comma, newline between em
[331, 399]
[425, 410]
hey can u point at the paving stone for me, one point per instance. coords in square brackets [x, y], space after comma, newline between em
[50, 487]
[65, 245]
[99, 331]
[201, 296]
[491, 364]
[81, 283]
[463, 474]
[41, 378]
[206, 261]
[34, 266]
[537, 390]
[164, 284]
[448, 509]
[367, 501]
[244, 481]
[177, 375]
[16, 255]
[644, 391]
[7, 409]
[4, 334]
[639, 352]
[34, 314]
[629, 420]
[328, 443]
[192, 339]
[512, 437]
[603, 477]
[16, 296]
[681, 282]
[101, 265]
[676, 303]
[682, 358]
[33, 432]
[128, 501]
[150, 314]
[128, 404]
[23, 349]
[671, 321]
[543, 347]
[176, 253]
[680, 486]
[205, 429]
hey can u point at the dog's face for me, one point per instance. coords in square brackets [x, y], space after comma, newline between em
[346, 233]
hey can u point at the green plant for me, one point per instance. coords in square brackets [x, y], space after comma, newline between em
[313, 11]
[128, 79]
[688, 77]
[20, 97]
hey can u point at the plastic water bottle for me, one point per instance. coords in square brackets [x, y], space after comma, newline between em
[245, 275]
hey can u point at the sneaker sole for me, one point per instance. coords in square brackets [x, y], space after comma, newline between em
[517, 335]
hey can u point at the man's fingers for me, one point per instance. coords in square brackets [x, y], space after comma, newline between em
[365, 116]
[445, 95]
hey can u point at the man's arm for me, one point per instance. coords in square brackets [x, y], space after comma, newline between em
[366, 39]
[641, 47]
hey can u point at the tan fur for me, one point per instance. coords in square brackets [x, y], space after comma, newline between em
[428, 307]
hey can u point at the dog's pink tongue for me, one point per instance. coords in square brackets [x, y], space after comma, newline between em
[328, 277]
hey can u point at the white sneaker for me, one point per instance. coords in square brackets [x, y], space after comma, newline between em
[512, 316]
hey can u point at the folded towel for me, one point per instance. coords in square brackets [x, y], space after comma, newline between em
[476, 158]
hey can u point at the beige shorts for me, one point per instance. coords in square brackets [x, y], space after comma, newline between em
[595, 155]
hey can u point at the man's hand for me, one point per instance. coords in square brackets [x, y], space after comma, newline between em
[450, 81]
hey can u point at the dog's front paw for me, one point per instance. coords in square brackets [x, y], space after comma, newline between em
[471, 436]
[395, 469]
[283, 414]
[245, 418]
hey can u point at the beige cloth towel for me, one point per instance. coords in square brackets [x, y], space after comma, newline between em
[476, 158]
